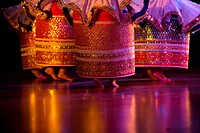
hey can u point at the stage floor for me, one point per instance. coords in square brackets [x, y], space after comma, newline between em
[139, 105]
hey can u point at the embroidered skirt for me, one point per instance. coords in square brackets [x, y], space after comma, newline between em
[167, 47]
[104, 49]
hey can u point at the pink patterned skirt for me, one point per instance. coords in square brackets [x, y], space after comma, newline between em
[167, 47]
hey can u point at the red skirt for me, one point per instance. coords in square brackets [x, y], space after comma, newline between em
[104, 49]
[28, 53]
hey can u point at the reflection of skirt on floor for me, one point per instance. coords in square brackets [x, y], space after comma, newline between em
[104, 49]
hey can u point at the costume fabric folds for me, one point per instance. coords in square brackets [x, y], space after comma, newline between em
[104, 38]
[162, 38]
[188, 11]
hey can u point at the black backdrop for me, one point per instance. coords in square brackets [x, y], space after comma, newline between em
[10, 58]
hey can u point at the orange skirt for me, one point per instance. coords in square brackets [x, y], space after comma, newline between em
[55, 40]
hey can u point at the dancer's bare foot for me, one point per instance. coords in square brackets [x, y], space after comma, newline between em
[98, 83]
[150, 74]
[51, 72]
[62, 74]
[114, 83]
[38, 74]
[161, 76]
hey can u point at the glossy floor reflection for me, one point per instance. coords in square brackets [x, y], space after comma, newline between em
[139, 105]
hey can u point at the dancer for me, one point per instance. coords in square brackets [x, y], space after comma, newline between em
[162, 38]
[54, 40]
[104, 39]
[52, 43]
[19, 22]
[28, 53]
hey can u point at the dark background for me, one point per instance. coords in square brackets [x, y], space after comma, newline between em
[10, 58]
